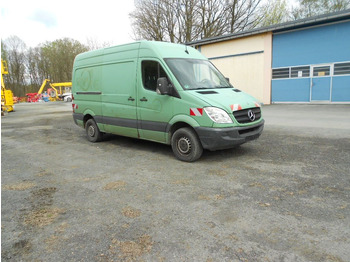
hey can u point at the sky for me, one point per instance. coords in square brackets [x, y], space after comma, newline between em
[38, 21]
[100, 21]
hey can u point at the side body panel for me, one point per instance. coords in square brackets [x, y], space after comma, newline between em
[119, 98]
[103, 82]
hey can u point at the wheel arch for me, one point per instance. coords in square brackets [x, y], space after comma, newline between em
[86, 118]
[178, 122]
[88, 114]
[177, 126]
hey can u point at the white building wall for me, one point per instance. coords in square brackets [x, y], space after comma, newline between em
[246, 61]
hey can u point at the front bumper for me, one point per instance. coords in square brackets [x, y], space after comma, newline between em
[223, 138]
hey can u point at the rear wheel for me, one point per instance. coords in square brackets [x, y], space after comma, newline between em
[186, 145]
[92, 132]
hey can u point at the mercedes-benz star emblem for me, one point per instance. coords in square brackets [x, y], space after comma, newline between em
[251, 115]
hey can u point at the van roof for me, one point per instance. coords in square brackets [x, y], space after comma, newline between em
[170, 50]
[146, 49]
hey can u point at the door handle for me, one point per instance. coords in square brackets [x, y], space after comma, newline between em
[131, 99]
[143, 99]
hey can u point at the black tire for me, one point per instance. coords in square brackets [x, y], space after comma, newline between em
[92, 132]
[186, 145]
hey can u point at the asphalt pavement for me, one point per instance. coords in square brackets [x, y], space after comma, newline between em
[284, 197]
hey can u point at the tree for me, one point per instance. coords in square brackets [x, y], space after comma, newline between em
[148, 19]
[308, 8]
[15, 48]
[93, 44]
[3, 51]
[33, 60]
[274, 12]
[186, 15]
[29, 67]
[182, 21]
[212, 18]
[56, 58]
[241, 14]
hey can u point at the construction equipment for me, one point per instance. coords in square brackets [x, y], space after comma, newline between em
[6, 94]
[67, 88]
[52, 93]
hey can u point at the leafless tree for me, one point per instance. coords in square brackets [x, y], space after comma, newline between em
[148, 21]
[242, 15]
[16, 58]
[94, 43]
[187, 20]
[212, 18]
[308, 8]
[32, 62]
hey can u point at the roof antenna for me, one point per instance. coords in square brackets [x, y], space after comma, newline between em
[186, 49]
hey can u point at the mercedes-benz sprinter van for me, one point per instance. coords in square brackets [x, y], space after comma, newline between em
[163, 92]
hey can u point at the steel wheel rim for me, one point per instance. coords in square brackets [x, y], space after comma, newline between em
[184, 145]
[91, 130]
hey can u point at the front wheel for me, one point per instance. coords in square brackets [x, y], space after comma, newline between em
[186, 145]
[92, 132]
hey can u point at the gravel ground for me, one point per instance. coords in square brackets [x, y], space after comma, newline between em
[283, 197]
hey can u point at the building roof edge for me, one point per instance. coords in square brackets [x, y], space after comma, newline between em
[292, 25]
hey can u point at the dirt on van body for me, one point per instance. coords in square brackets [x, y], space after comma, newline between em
[283, 197]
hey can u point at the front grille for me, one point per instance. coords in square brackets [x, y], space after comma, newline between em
[242, 115]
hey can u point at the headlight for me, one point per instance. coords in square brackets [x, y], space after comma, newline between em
[218, 115]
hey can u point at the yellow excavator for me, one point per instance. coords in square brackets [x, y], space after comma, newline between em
[6, 94]
[52, 93]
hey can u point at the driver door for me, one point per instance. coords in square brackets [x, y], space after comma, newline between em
[154, 110]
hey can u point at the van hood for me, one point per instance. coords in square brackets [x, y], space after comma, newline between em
[230, 99]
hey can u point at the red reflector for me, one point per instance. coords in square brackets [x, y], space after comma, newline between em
[74, 106]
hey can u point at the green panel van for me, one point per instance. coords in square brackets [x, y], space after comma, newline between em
[163, 92]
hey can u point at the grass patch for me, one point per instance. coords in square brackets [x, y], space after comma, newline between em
[19, 187]
[42, 217]
[131, 250]
[131, 212]
[117, 185]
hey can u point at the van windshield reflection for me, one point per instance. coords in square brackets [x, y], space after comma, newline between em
[195, 74]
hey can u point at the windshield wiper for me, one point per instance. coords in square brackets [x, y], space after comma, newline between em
[222, 86]
[202, 87]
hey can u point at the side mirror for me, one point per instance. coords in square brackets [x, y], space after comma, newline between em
[227, 79]
[163, 86]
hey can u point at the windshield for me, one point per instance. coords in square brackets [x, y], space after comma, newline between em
[196, 74]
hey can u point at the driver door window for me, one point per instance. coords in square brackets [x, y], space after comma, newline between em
[151, 71]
